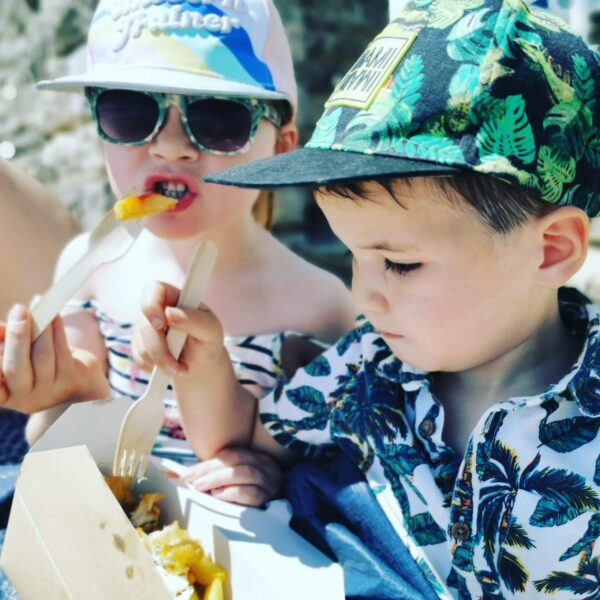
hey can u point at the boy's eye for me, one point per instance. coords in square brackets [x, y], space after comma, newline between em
[401, 268]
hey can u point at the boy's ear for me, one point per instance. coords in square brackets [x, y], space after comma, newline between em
[287, 138]
[563, 236]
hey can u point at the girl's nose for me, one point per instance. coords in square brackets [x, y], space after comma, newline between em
[172, 143]
[366, 291]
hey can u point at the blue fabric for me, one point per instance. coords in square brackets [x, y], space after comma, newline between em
[7, 592]
[12, 450]
[8, 479]
[12, 437]
[334, 508]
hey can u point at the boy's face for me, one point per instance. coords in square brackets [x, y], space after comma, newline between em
[446, 293]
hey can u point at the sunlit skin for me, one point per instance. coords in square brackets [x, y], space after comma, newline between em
[257, 286]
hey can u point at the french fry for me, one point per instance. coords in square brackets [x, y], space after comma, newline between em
[144, 205]
[214, 591]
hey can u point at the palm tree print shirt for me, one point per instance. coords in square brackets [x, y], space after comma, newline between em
[518, 516]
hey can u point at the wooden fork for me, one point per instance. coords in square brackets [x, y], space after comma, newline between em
[108, 241]
[143, 420]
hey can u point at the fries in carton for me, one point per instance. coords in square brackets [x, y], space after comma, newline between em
[69, 538]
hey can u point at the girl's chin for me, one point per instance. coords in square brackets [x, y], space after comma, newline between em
[171, 228]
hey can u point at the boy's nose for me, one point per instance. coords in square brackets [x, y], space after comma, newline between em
[172, 143]
[366, 292]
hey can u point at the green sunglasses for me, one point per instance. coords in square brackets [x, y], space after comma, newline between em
[217, 124]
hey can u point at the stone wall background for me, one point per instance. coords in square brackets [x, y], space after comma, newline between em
[51, 136]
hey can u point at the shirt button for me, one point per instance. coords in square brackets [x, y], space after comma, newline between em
[461, 531]
[427, 427]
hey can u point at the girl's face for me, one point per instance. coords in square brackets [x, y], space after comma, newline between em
[446, 293]
[172, 162]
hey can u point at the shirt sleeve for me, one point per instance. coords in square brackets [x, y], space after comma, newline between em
[300, 411]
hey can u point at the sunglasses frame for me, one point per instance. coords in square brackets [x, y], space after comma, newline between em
[258, 109]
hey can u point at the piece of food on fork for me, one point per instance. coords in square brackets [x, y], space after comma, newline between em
[143, 205]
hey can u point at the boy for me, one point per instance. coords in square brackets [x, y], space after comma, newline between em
[458, 161]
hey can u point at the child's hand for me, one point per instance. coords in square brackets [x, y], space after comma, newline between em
[38, 375]
[237, 475]
[203, 346]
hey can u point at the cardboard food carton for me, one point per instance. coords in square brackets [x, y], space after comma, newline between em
[68, 537]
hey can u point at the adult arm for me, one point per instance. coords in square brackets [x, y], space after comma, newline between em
[34, 228]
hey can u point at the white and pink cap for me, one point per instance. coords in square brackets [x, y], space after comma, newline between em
[224, 47]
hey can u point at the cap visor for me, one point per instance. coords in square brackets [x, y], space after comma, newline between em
[309, 166]
[158, 80]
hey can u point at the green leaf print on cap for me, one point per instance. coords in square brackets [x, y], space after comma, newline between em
[494, 87]
[487, 85]
[509, 135]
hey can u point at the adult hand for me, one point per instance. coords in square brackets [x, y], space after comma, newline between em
[41, 374]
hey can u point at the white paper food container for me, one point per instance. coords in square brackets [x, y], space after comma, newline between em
[68, 538]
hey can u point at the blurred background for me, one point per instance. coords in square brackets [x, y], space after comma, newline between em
[50, 134]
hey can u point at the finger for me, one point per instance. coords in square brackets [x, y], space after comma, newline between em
[236, 456]
[4, 396]
[258, 460]
[204, 331]
[157, 352]
[138, 350]
[155, 297]
[62, 352]
[43, 361]
[232, 457]
[16, 362]
[2, 331]
[239, 475]
[248, 495]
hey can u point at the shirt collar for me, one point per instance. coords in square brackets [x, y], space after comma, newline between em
[583, 382]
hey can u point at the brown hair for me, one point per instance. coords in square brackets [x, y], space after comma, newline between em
[263, 209]
[501, 206]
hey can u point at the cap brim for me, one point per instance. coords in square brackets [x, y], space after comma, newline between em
[158, 80]
[309, 166]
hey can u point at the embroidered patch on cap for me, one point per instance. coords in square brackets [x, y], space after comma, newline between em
[371, 71]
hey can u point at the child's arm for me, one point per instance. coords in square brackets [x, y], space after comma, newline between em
[34, 228]
[217, 412]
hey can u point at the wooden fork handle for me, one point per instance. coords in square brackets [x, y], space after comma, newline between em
[193, 290]
[53, 301]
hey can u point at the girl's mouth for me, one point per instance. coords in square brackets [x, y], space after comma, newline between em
[179, 187]
[171, 189]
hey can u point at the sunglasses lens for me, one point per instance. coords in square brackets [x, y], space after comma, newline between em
[221, 125]
[126, 116]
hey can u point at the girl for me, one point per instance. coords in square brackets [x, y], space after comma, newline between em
[179, 90]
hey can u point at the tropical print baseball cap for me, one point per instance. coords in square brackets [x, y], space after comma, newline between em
[229, 47]
[455, 86]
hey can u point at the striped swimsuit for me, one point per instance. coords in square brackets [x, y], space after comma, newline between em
[256, 360]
